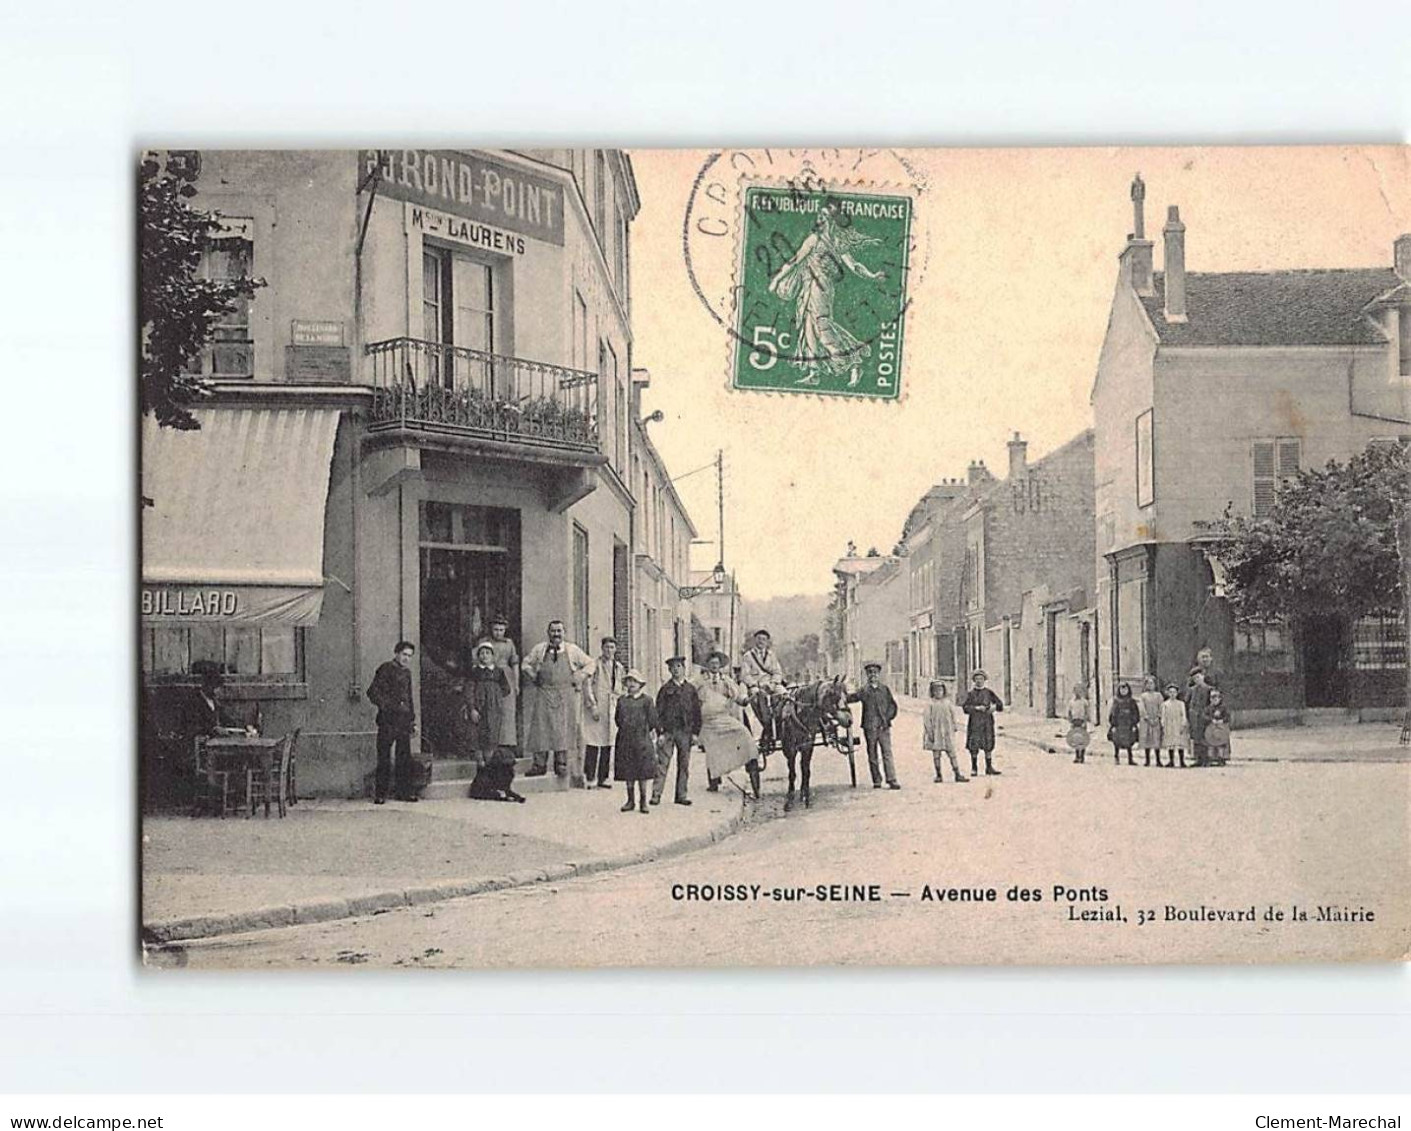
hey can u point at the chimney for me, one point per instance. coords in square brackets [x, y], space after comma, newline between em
[1175, 233]
[1401, 257]
[974, 473]
[1018, 458]
[1136, 256]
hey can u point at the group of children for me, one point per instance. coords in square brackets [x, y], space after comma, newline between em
[938, 726]
[1197, 721]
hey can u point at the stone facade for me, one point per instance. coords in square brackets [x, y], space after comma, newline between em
[1210, 390]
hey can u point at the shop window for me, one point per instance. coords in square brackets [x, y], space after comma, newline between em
[1275, 462]
[1379, 643]
[231, 255]
[1263, 645]
[269, 654]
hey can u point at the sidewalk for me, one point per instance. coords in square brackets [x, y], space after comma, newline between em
[337, 859]
[1361, 742]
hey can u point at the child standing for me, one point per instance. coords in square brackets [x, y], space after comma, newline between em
[1122, 723]
[635, 752]
[1078, 737]
[1217, 729]
[1175, 728]
[1149, 703]
[980, 706]
[938, 729]
[481, 722]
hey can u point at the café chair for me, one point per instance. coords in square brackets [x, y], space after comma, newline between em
[270, 781]
[212, 785]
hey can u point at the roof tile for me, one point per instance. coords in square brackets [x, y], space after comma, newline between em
[1277, 308]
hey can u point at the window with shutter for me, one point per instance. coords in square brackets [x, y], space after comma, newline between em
[1276, 461]
[1266, 480]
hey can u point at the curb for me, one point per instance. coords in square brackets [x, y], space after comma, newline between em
[331, 908]
[1046, 747]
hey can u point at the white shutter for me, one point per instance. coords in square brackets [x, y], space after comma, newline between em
[1289, 451]
[1266, 480]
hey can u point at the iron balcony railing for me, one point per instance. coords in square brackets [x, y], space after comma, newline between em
[451, 389]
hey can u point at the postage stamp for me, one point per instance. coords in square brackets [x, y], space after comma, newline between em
[821, 291]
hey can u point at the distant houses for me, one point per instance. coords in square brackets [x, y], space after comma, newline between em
[1090, 565]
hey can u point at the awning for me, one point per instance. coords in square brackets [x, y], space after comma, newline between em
[235, 532]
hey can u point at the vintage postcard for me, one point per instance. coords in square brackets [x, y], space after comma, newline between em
[774, 557]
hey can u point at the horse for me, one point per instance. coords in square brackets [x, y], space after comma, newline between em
[800, 719]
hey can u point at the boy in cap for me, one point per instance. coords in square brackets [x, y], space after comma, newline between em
[980, 706]
[481, 720]
[679, 716]
[879, 708]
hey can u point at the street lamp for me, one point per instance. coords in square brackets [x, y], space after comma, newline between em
[718, 577]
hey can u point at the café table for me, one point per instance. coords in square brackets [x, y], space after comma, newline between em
[239, 754]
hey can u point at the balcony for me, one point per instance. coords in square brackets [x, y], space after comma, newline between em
[459, 393]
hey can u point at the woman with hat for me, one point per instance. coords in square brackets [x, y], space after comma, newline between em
[480, 722]
[635, 759]
[728, 745]
[507, 660]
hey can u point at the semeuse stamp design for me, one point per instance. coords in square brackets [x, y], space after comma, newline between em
[821, 291]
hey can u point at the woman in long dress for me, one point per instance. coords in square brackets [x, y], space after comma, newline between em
[507, 660]
[635, 763]
[728, 744]
[809, 280]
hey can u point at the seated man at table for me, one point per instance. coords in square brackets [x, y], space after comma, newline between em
[205, 714]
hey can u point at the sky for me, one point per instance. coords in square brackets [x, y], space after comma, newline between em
[1012, 282]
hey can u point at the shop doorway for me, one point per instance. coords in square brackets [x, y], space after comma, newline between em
[470, 570]
[1324, 649]
[1051, 665]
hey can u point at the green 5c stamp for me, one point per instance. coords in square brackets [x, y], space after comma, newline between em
[821, 292]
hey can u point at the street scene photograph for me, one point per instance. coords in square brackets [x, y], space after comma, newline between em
[563, 558]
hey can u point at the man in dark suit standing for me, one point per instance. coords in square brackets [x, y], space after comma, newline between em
[879, 708]
[391, 692]
[679, 713]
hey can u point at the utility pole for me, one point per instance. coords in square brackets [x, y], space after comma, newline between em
[720, 503]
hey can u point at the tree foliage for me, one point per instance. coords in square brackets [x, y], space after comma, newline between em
[702, 642]
[801, 655]
[1330, 543]
[833, 623]
[176, 310]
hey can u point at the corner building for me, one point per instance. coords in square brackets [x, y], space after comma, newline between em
[422, 419]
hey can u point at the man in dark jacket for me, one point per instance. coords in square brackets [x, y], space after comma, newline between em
[879, 708]
[679, 713]
[391, 692]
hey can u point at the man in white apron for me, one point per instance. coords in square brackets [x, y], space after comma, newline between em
[555, 670]
[601, 690]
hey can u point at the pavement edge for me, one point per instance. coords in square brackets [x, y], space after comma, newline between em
[327, 909]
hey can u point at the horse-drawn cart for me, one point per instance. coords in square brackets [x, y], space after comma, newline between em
[801, 718]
